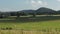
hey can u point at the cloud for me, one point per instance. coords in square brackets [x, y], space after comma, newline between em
[45, 3]
[7, 9]
[38, 3]
[58, 0]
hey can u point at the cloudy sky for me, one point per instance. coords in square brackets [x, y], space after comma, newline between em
[12, 5]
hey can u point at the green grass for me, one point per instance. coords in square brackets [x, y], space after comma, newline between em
[37, 24]
[31, 25]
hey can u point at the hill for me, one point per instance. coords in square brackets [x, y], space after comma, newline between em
[44, 10]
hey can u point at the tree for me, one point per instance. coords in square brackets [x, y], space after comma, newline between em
[18, 14]
[1, 16]
[13, 13]
[34, 14]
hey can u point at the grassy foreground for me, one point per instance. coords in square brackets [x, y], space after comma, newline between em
[36, 24]
[32, 26]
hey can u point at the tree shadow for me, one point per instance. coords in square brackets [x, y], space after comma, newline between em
[32, 19]
[38, 19]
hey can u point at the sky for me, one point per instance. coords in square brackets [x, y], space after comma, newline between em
[17, 5]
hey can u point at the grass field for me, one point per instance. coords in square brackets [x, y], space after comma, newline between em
[30, 23]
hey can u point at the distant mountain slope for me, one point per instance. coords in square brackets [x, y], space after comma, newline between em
[27, 11]
[45, 10]
[58, 12]
[41, 10]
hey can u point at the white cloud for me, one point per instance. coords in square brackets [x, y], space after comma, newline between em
[38, 3]
[58, 0]
[45, 3]
[33, 1]
[7, 9]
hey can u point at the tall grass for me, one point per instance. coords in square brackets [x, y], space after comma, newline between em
[50, 31]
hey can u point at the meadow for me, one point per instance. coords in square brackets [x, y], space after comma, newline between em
[41, 23]
[31, 23]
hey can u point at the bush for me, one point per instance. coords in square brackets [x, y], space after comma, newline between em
[6, 28]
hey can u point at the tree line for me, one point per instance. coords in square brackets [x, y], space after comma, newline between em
[40, 11]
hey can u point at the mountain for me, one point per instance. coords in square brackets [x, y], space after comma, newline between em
[44, 10]
[27, 11]
[58, 12]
